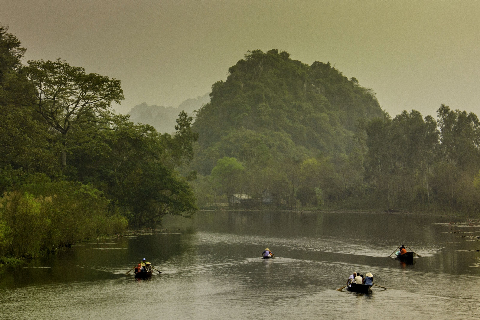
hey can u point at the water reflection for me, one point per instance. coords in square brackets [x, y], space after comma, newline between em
[212, 268]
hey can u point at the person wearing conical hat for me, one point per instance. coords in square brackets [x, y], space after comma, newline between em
[267, 254]
[369, 279]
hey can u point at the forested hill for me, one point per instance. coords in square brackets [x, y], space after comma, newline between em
[280, 132]
[163, 118]
[273, 107]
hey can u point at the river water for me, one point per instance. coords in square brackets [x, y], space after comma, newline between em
[211, 269]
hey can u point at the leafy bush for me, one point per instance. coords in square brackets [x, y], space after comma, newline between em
[44, 215]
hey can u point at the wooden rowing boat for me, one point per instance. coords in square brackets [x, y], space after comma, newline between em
[360, 288]
[143, 275]
[406, 257]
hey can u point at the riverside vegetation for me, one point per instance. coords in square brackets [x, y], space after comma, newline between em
[71, 169]
[276, 133]
[293, 135]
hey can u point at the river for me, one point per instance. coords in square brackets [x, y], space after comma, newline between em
[211, 269]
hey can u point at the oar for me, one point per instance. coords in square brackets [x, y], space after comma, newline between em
[394, 251]
[340, 289]
[130, 270]
[414, 252]
[379, 286]
[156, 270]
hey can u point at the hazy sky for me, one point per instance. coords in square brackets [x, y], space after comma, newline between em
[412, 54]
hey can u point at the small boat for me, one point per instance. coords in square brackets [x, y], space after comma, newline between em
[143, 274]
[267, 254]
[406, 257]
[360, 288]
[143, 271]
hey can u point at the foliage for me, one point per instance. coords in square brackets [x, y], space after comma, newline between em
[204, 191]
[273, 112]
[270, 92]
[117, 172]
[67, 97]
[460, 138]
[401, 154]
[227, 175]
[24, 140]
[421, 163]
[180, 147]
[135, 166]
[308, 135]
[45, 215]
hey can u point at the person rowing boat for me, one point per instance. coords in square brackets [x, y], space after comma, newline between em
[143, 270]
[404, 256]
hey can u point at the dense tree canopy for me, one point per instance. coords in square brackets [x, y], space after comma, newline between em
[273, 112]
[315, 106]
[117, 171]
[307, 135]
[67, 97]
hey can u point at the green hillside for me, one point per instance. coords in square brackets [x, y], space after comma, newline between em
[273, 111]
[282, 133]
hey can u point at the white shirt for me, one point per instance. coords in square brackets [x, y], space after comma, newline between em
[350, 280]
[358, 280]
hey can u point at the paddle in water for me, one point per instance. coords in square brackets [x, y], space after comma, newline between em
[380, 286]
[414, 252]
[394, 252]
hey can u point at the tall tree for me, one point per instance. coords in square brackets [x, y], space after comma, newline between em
[67, 96]
[460, 138]
[180, 146]
[23, 139]
[455, 172]
[415, 141]
[379, 163]
[228, 176]
[401, 153]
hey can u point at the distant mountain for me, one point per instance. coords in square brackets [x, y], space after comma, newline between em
[163, 119]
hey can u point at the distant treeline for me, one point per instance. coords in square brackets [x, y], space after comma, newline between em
[71, 169]
[282, 133]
